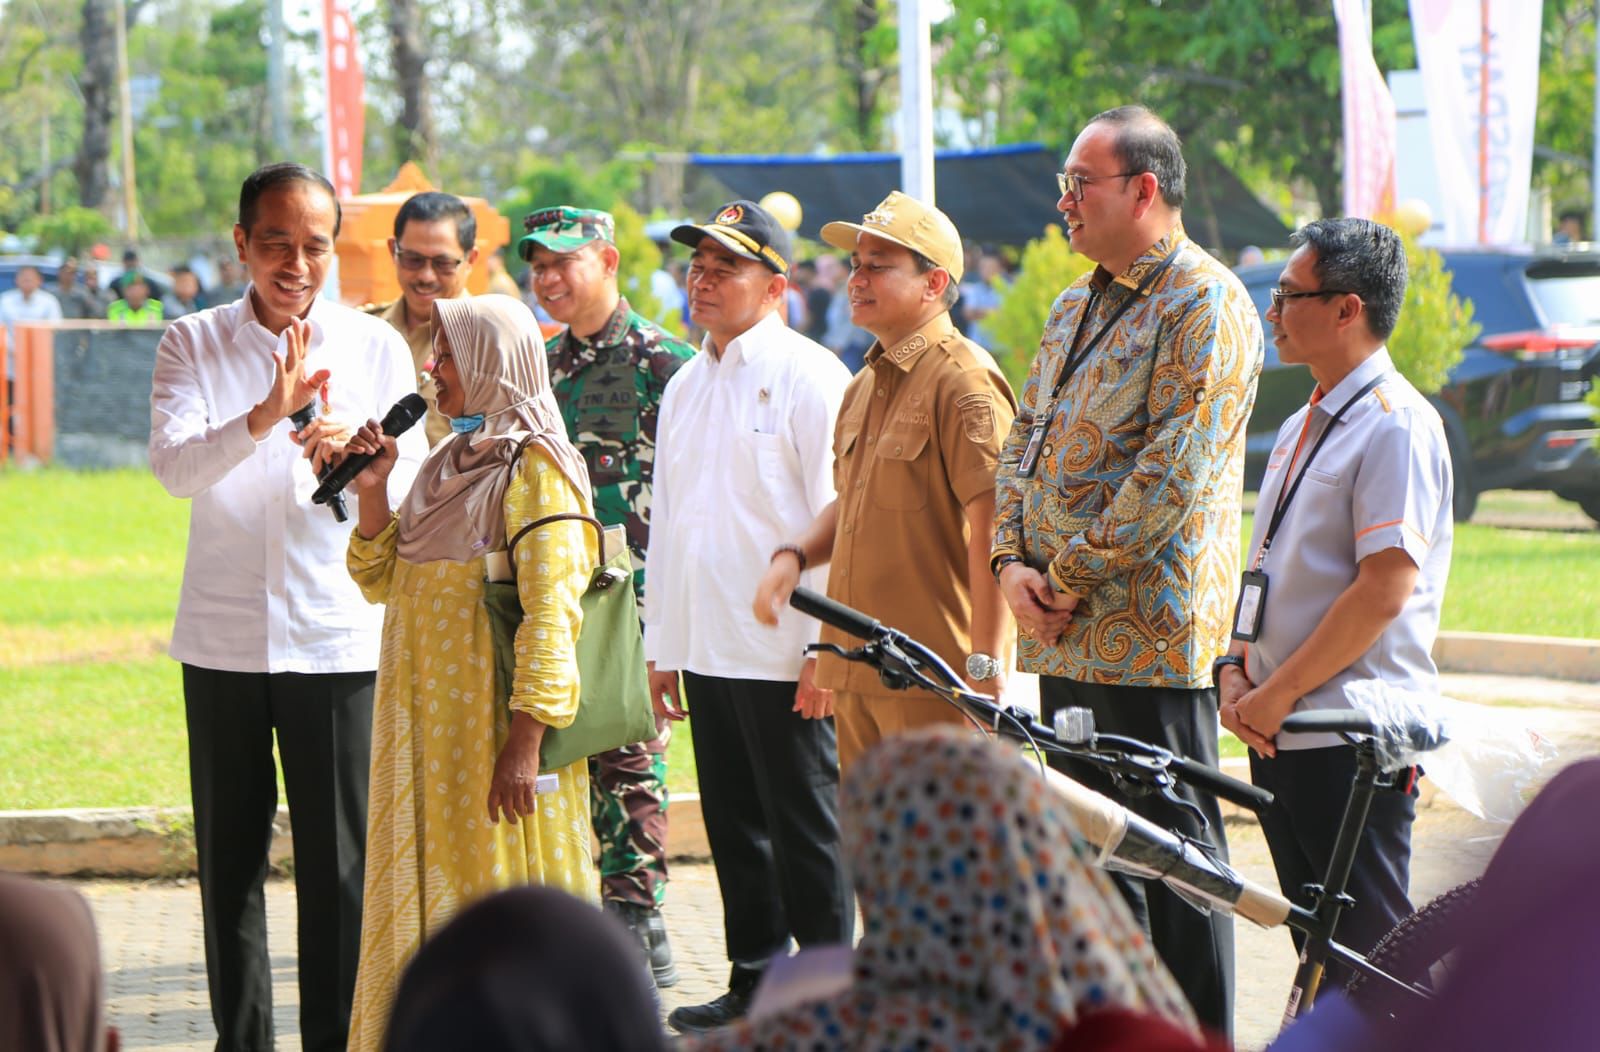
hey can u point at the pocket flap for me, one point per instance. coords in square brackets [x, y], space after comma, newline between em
[902, 445]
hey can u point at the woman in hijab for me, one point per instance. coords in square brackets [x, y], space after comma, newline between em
[52, 991]
[504, 977]
[453, 812]
[986, 925]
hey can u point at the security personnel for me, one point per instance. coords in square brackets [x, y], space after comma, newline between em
[609, 369]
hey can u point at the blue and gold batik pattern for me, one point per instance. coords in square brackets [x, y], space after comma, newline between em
[1134, 504]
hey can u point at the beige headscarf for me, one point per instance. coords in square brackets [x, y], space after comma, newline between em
[455, 508]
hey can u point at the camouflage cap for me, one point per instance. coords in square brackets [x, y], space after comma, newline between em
[908, 222]
[565, 229]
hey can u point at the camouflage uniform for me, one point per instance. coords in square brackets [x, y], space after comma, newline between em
[609, 388]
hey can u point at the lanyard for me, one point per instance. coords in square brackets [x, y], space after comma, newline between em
[1075, 357]
[1287, 491]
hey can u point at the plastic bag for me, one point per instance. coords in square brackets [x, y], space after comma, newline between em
[1490, 763]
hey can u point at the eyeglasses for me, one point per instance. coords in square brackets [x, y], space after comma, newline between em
[444, 266]
[1279, 295]
[1071, 183]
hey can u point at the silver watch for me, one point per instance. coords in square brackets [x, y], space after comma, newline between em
[982, 667]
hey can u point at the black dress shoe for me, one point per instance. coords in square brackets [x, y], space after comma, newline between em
[729, 1008]
[650, 928]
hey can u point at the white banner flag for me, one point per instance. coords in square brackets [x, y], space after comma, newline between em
[1482, 87]
[1368, 118]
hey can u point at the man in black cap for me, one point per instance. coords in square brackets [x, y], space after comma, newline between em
[744, 460]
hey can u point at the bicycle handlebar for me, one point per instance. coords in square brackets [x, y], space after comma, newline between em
[856, 623]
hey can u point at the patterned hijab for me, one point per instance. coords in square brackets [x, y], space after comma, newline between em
[455, 508]
[986, 925]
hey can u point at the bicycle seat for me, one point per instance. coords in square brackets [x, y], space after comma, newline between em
[1419, 736]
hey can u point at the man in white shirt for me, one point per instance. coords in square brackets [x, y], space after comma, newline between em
[1347, 568]
[27, 302]
[743, 461]
[273, 634]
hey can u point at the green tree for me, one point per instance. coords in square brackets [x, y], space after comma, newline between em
[1048, 266]
[1434, 324]
[71, 230]
[1256, 81]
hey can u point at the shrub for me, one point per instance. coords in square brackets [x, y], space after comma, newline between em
[1048, 266]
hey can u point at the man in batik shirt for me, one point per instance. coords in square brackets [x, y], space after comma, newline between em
[1117, 518]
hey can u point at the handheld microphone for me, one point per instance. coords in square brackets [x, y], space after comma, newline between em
[301, 418]
[399, 419]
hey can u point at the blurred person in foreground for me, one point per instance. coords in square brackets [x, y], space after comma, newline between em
[454, 813]
[987, 925]
[52, 991]
[528, 970]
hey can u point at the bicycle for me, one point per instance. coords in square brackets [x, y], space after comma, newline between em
[1406, 963]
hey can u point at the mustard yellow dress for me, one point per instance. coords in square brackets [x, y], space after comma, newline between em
[431, 849]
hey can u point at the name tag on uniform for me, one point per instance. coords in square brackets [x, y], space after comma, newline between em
[1030, 453]
[1250, 613]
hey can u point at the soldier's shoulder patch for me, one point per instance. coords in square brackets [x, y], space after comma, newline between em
[977, 415]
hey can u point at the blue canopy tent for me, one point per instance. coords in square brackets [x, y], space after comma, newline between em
[1000, 195]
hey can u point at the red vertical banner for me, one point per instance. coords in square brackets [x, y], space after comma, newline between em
[1369, 119]
[347, 115]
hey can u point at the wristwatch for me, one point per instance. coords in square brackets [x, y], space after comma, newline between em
[1236, 660]
[982, 667]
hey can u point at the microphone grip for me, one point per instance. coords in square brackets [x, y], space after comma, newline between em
[399, 419]
[835, 614]
[301, 419]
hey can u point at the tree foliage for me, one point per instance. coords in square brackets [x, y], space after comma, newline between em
[71, 230]
[1048, 266]
[1435, 325]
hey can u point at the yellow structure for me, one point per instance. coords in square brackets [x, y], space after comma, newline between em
[366, 270]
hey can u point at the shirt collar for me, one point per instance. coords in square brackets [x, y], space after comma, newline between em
[1376, 363]
[1102, 279]
[317, 316]
[904, 354]
[748, 345]
[612, 333]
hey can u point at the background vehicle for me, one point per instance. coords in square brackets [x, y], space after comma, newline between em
[1513, 407]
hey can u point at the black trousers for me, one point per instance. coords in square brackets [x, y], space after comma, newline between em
[1198, 949]
[324, 732]
[769, 793]
[1309, 788]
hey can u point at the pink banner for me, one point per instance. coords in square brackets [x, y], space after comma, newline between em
[1368, 118]
[347, 116]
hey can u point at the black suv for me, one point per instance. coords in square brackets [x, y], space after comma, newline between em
[1513, 407]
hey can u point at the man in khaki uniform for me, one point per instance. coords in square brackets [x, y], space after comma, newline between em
[433, 248]
[915, 450]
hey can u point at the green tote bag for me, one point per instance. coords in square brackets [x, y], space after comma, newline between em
[614, 709]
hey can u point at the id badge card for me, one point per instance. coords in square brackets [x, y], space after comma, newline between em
[1251, 612]
[1030, 453]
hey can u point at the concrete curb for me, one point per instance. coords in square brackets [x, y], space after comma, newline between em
[156, 842]
[1489, 653]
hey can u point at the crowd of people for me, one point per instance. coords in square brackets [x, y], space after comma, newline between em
[1085, 529]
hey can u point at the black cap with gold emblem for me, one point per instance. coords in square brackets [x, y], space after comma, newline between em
[745, 229]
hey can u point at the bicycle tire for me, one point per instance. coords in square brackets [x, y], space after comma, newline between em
[1415, 950]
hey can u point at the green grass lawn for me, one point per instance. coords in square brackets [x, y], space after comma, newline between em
[91, 711]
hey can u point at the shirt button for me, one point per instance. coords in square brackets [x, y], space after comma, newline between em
[897, 450]
[880, 392]
[861, 483]
[872, 438]
[847, 527]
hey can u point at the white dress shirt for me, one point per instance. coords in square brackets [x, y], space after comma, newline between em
[265, 587]
[1381, 480]
[744, 462]
[15, 307]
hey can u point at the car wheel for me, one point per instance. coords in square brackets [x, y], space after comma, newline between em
[1590, 503]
